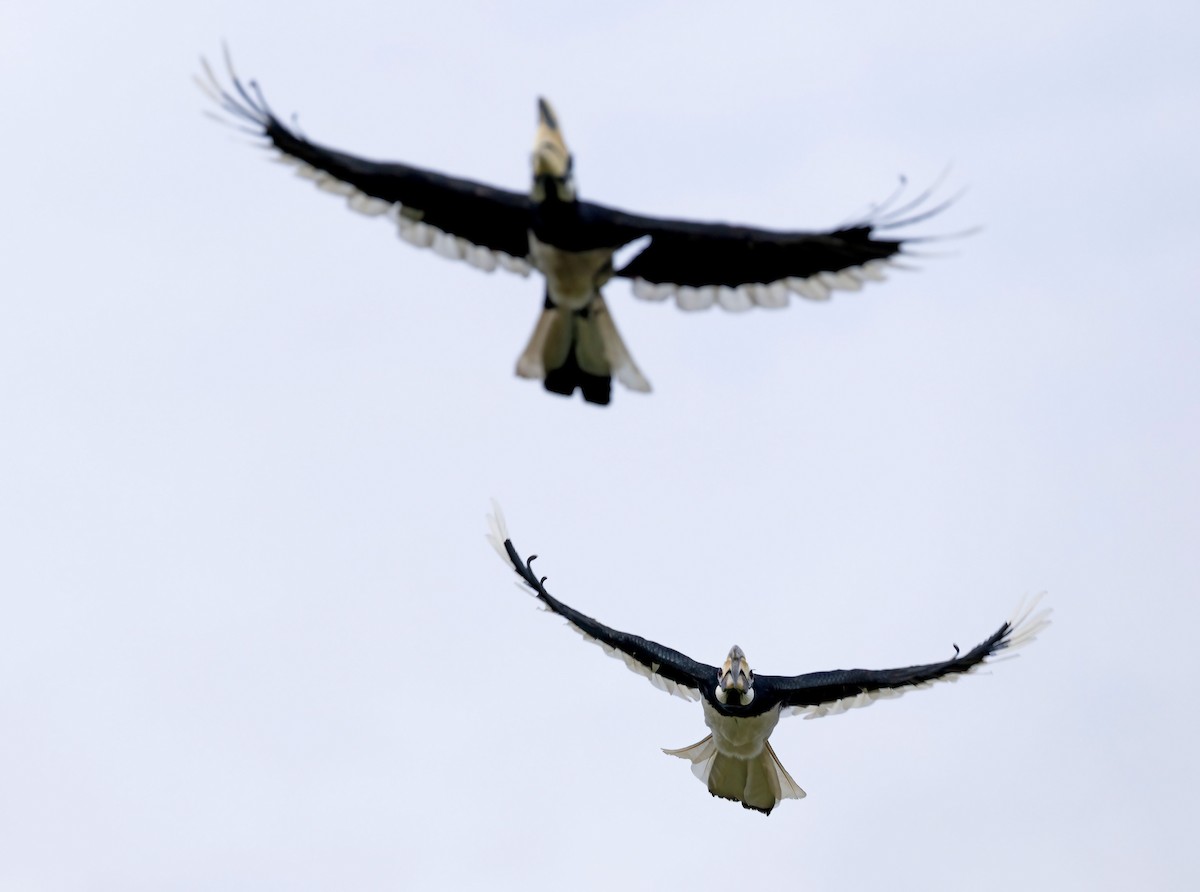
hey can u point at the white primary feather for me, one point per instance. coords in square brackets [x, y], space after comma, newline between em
[368, 204]
[447, 245]
[806, 289]
[288, 160]
[1025, 624]
[498, 532]
[652, 291]
[818, 288]
[773, 296]
[873, 270]
[690, 299]
[481, 258]
[417, 234]
[840, 280]
[332, 184]
[735, 300]
[518, 265]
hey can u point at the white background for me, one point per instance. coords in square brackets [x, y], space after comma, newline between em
[251, 635]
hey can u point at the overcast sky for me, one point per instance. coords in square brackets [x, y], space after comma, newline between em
[252, 637]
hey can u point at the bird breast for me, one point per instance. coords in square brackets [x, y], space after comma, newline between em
[743, 738]
[572, 277]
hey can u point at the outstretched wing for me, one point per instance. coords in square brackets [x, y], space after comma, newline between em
[739, 267]
[459, 219]
[667, 669]
[828, 693]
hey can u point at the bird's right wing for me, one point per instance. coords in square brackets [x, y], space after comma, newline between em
[459, 219]
[704, 265]
[817, 694]
[667, 669]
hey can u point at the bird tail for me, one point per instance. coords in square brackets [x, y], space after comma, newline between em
[759, 782]
[579, 348]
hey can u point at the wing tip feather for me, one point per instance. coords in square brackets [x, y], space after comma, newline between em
[497, 532]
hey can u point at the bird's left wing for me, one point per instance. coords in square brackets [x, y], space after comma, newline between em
[738, 267]
[459, 219]
[827, 693]
[667, 669]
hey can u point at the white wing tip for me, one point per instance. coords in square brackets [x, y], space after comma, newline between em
[1027, 622]
[497, 532]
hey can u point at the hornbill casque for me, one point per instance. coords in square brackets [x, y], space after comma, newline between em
[736, 761]
[572, 243]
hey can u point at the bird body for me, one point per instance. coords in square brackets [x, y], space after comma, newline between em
[572, 244]
[735, 761]
[573, 278]
[741, 709]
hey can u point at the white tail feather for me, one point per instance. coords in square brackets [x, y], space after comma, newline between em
[700, 754]
[760, 782]
[532, 363]
[624, 369]
[598, 347]
[788, 788]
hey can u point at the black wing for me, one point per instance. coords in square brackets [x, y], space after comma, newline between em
[739, 267]
[460, 219]
[826, 693]
[667, 669]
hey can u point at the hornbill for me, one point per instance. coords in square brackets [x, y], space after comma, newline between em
[572, 243]
[736, 761]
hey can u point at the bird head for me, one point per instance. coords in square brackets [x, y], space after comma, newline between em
[551, 159]
[734, 678]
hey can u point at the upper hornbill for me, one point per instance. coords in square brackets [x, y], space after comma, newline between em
[735, 761]
[575, 343]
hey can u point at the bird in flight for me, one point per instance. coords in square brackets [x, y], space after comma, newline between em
[573, 243]
[735, 761]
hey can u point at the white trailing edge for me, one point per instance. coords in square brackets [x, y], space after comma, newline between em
[647, 672]
[408, 223]
[767, 295]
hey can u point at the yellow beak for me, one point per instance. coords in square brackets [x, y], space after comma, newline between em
[735, 673]
[550, 154]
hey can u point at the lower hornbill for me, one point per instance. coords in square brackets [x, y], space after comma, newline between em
[735, 761]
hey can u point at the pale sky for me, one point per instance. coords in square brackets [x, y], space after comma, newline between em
[252, 636]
